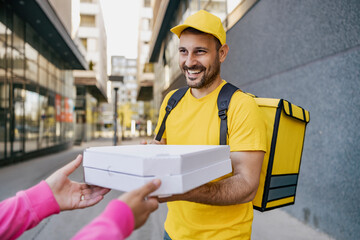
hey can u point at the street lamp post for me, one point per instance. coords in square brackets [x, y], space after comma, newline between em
[120, 79]
[115, 116]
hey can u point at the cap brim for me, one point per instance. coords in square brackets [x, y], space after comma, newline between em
[179, 28]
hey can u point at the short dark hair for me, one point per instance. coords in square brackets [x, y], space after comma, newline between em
[195, 31]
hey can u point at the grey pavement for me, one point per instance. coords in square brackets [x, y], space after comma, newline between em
[275, 224]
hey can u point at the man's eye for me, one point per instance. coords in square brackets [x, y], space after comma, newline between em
[201, 51]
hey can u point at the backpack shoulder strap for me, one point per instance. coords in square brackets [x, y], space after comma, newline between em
[223, 102]
[171, 104]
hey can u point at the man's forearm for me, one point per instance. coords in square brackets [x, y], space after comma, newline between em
[229, 191]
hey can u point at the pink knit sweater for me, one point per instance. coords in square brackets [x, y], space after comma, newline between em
[29, 207]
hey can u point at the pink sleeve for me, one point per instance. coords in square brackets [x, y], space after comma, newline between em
[115, 222]
[26, 210]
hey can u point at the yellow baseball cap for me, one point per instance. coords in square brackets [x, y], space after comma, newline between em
[204, 22]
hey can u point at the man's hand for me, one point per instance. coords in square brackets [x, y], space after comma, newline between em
[153, 141]
[140, 205]
[73, 195]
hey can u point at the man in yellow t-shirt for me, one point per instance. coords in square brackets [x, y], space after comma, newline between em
[221, 209]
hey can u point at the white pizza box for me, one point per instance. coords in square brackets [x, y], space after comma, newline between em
[154, 160]
[170, 184]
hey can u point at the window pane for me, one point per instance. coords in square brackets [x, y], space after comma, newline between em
[43, 134]
[18, 41]
[84, 42]
[52, 82]
[31, 70]
[31, 121]
[51, 68]
[19, 95]
[87, 20]
[2, 22]
[50, 123]
[32, 39]
[18, 63]
[30, 52]
[2, 39]
[43, 77]
[43, 62]
[4, 93]
[2, 54]
[9, 36]
[8, 57]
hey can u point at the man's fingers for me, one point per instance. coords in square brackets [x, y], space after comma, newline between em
[149, 188]
[153, 141]
[72, 166]
[153, 204]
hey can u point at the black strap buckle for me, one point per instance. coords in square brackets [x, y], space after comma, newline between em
[168, 108]
[222, 114]
[170, 105]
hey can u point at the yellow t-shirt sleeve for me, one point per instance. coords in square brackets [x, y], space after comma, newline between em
[246, 126]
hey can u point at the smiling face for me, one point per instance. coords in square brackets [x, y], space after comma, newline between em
[199, 59]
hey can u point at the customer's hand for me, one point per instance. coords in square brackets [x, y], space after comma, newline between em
[73, 195]
[140, 205]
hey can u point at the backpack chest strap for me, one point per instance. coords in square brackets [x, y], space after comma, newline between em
[172, 102]
[223, 102]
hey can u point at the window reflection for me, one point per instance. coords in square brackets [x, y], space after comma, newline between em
[18, 126]
[30, 52]
[43, 131]
[3, 112]
[43, 77]
[31, 120]
[18, 63]
[18, 36]
[2, 54]
[50, 123]
[31, 70]
[2, 31]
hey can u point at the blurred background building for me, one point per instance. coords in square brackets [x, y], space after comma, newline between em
[90, 85]
[37, 56]
[307, 52]
[123, 78]
[145, 71]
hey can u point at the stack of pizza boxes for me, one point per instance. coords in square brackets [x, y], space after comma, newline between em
[179, 167]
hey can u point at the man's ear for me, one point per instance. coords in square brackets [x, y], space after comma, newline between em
[223, 51]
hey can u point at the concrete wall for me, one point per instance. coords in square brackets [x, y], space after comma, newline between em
[308, 52]
[64, 11]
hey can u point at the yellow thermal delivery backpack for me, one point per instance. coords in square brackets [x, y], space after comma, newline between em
[285, 124]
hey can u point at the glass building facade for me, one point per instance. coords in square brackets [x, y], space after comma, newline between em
[36, 93]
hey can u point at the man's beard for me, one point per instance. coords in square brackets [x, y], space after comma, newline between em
[208, 77]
